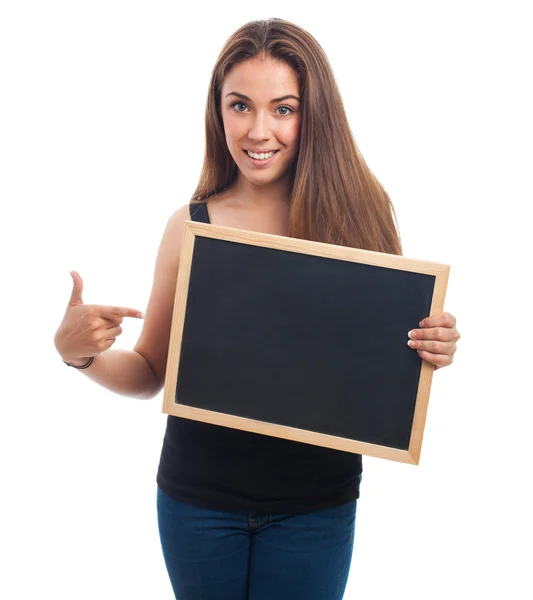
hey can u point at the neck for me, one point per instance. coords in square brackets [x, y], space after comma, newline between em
[277, 192]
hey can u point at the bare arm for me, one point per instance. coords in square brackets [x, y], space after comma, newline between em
[124, 372]
[90, 331]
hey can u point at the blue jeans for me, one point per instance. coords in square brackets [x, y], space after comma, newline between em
[223, 555]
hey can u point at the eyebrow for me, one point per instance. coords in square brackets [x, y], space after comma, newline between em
[275, 100]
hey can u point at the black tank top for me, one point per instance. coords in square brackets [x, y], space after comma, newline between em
[221, 468]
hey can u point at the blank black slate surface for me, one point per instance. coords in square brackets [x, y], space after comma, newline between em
[304, 341]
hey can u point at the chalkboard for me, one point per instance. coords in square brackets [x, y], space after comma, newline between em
[301, 340]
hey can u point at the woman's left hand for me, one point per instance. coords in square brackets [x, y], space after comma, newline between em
[436, 340]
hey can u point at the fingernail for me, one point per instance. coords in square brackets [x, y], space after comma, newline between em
[410, 334]
[140, 315]
[420, 324]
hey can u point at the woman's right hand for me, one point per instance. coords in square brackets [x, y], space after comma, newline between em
[88, 329]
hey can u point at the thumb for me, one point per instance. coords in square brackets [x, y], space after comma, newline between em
[77, 289]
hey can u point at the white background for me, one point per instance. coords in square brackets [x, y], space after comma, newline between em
[101, 139]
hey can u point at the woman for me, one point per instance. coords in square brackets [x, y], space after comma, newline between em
[243, 515]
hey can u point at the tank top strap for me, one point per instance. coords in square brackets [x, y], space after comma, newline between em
[199, 212]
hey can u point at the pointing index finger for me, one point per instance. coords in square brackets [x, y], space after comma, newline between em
[116, 312]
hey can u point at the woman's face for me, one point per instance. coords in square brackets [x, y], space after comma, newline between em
[261, 113]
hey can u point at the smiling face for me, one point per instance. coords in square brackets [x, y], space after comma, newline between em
[261, 114]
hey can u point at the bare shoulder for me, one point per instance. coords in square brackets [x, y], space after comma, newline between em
[176, 223]
[153, 341]
[168, 254]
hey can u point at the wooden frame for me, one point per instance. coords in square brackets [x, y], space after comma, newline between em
[172, 407]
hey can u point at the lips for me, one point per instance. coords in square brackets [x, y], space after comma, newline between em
[258, 162]
[246, 150]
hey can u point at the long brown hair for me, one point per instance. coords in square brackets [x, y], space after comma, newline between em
[335, 197]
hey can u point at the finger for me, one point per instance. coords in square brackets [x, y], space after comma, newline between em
[444, 319]
[104, 345]
[113, 322]
[433, 346]
[440, 360]
[112, 333]
[77, 289]
[442, 334]
[117, 312]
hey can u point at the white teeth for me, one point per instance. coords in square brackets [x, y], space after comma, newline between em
[260, 156]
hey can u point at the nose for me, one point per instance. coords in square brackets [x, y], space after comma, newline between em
[260, 128]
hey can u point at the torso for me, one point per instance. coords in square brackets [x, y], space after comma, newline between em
[230, 469]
